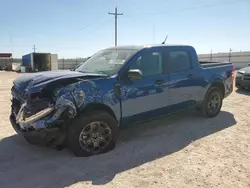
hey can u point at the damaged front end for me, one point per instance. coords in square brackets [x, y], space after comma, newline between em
[42, 118]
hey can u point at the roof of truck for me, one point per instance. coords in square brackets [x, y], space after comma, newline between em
[139, 47]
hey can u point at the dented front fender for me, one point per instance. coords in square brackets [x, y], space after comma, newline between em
[70, 101]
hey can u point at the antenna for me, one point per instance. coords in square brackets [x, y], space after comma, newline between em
[165, 40]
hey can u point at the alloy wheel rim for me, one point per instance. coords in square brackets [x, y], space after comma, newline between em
[214, 103]
[95, 137]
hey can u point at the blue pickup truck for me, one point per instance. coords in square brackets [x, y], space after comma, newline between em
[84, 109]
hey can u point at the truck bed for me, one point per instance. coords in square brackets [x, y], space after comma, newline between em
[207, 64]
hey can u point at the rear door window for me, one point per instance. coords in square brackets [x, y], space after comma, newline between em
[178, 61]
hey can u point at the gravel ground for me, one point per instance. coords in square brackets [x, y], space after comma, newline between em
[182, 150]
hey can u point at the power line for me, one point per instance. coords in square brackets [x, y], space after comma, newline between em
[97, 21]
[100, 26]
[92, 24]
[211, 5]
[201, 6]
[115, 14]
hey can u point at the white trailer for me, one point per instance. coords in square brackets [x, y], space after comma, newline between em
[40, 62]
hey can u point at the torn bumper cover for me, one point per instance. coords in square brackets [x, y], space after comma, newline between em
[46, 126]
[47, 120]
[52, 136]
[34, 120]
[35, 128]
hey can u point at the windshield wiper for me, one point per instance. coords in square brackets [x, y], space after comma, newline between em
[97, 73]
[102, 72]
[81, 71]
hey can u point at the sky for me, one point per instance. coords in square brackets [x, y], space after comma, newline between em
[80, 28]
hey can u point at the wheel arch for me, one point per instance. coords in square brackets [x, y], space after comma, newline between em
[217, 82]
[98, 107]
[220, 85]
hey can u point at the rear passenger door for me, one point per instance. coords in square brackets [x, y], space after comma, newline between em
[182, 79]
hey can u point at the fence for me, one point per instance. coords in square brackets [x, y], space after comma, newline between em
[239, 59]
[5, 63]
[69, 63]
[62, 63]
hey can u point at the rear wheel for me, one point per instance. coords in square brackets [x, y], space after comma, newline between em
[92, 134]
[212, 104]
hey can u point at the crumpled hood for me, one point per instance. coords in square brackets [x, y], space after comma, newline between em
[246, 70]
[35, 81]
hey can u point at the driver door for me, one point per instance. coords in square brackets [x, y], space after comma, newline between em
[145, 98]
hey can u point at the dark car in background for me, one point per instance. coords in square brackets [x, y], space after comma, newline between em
[243, 78]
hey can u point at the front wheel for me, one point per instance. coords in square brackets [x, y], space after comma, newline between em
[212, 104]
[92, 134]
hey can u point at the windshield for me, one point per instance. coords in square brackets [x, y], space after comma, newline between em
[108, 61]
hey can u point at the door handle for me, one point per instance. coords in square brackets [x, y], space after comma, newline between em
[190, 76]
[159, 82]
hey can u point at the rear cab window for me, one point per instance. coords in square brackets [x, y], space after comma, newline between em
[178, 61]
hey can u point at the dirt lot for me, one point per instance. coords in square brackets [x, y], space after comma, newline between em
[182, 150]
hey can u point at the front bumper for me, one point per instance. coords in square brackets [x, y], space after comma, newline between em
[242, 83]
[39, 120]
[41, 136]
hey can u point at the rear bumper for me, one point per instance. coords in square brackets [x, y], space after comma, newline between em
[229, 91]
[242, 83]
[228, 86]
[45, 136]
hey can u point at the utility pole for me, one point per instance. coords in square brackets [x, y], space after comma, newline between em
[115, 14]
[211, 55]
[153, 33]
[230, 50]
[34, 48]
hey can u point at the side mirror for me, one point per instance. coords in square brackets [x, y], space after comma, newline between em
[134, 74]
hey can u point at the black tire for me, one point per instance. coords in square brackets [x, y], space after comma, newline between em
[30, 141]
[75, 129]
[198, 110]
[205, 108]
[34, 141]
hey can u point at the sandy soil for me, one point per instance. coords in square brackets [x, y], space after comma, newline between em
[182, 150]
